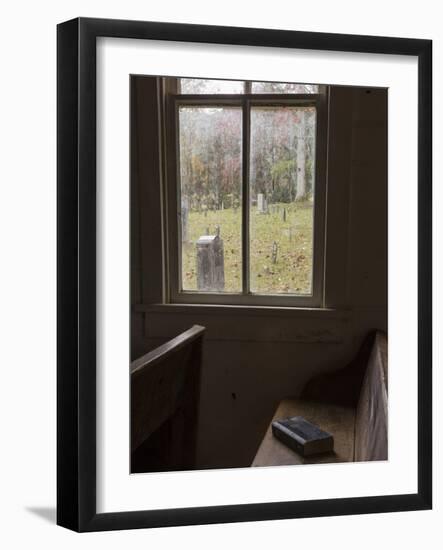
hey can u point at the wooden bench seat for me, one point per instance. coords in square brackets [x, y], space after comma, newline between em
[165, 387]
[335, 419]
[351, 404]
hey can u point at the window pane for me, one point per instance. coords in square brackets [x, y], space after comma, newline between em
[202, 86]
[283, 88]
[210, 141]
[281, 191]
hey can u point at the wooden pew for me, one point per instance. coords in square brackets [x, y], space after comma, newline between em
[165, 389]
[351, 404]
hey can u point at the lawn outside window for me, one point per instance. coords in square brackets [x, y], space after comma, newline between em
[246, 189]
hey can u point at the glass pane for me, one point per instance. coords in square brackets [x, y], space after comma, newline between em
[202, 86]
[283, 88]
[281, 199]
[210, 141]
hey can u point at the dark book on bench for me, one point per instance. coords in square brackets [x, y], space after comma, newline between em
[302, 436]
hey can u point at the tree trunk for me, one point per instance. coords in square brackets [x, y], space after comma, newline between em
[301, 158]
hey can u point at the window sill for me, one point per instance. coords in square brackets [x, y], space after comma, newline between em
[244, 310]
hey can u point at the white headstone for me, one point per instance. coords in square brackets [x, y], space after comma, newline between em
[260, 203]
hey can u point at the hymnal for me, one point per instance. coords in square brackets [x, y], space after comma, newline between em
[302, 436]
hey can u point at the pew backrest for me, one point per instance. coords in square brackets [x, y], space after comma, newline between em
[164, 380]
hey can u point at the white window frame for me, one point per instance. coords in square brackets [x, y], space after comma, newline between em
[173, 292]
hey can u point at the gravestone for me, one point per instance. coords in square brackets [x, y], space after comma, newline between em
[261, 203]
[210, 263]
[290, 232]
[274, 252]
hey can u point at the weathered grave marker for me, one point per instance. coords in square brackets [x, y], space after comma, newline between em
[274, 252]
[210, 263]
[261, 203]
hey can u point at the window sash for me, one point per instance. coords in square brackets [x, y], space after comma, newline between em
[247, 86]
[174, 292]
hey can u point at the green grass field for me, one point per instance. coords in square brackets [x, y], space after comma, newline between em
[291, 272]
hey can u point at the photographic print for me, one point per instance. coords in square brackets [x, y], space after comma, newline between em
[249, 348]
[244, 274]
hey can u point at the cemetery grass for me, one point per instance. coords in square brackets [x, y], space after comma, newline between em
[291, 272]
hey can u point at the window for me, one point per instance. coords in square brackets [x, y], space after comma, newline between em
[283, 88]
[202, 86]
[246, 192]
[210, 143]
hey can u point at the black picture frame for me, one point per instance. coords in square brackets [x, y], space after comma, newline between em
[76, 297]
